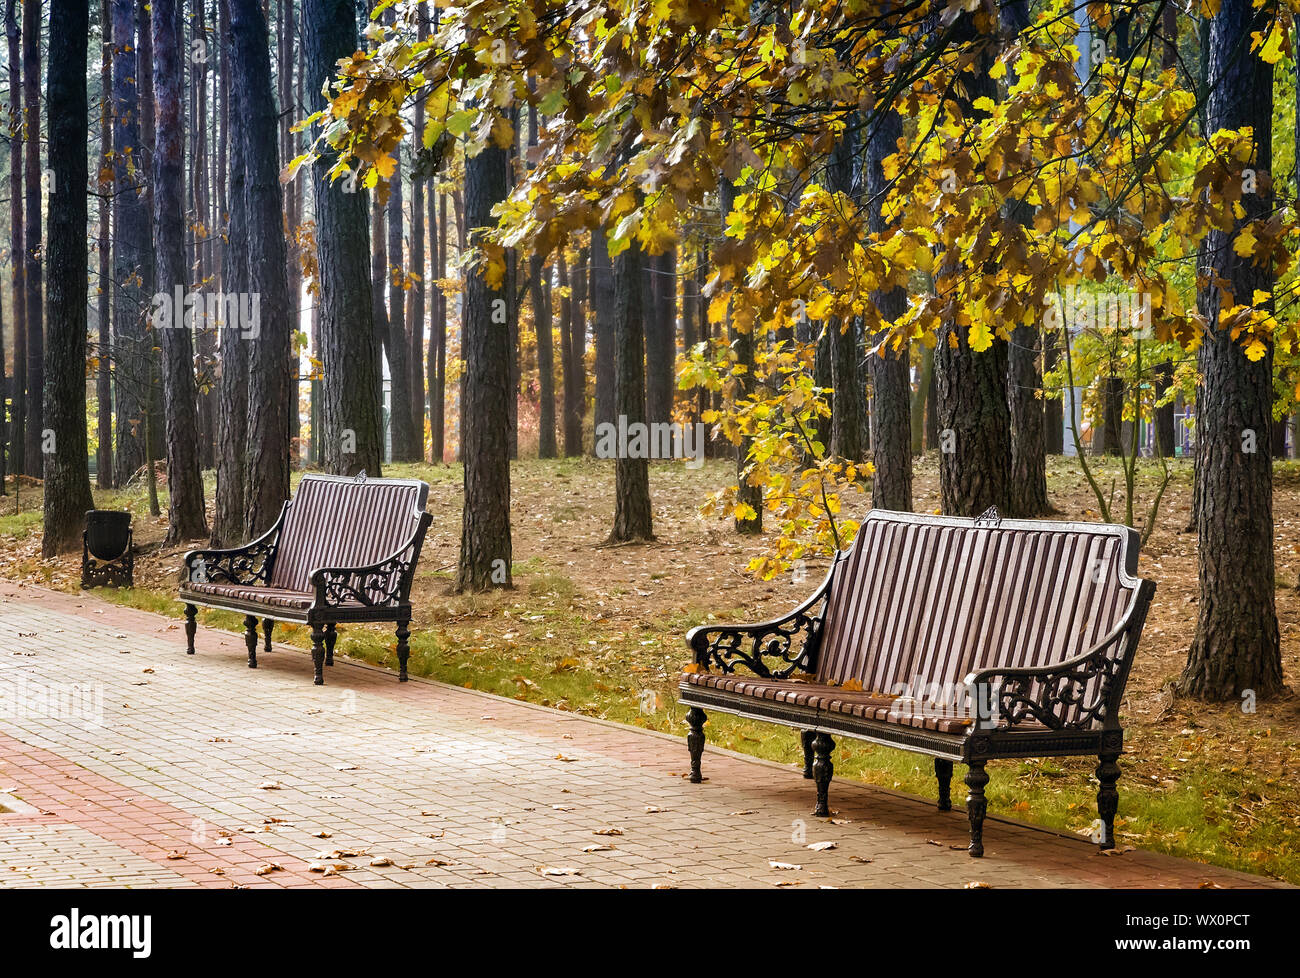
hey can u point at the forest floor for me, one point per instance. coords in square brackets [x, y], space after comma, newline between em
[598, 630]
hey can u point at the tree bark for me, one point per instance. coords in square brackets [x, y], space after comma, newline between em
[67, 473]
[438, 344]
[485, 549]
[352, 427]
[34, 431]
[632, 513]
[1166, 433]
[401, 427]
[1235, 650]
[891, 380]
[569, 362]
[17, 265]
[849, 406]
[602, 309]
[266, 466]
[419, 285]
[546, 443]
[133, 270]
[104, 346]
[185, 514]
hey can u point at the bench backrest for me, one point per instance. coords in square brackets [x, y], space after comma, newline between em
[929, 599]
[335, 521]
[108, 533]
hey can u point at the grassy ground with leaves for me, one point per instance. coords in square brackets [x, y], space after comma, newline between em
[598, 629]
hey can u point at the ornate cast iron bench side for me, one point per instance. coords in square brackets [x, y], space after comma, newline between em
[107, 549]
[1062, 708]
[251, 580]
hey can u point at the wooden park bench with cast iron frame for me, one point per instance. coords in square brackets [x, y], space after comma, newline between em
[964, 640]
[107, 550]
[343, 550]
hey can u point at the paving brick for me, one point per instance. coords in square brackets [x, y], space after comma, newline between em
[175, 766]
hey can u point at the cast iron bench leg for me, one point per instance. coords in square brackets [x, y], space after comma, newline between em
[403, 648]
[318, 654]
[976, 806]
[943, 771]
[267, 626]
[1107, 797]
[807, 737]
[331, 633]
[695, 718]
[190, 627]
[823, 770]
[250, 639]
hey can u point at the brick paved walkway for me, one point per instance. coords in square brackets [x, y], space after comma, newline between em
[175, 770]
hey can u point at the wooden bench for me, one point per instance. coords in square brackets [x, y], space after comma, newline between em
[964, 640]
[343, 550]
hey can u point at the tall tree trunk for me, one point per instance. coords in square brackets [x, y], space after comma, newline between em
[266, 466]
[485, 553]
[154, 424]
[1027, 490]
[378, 302]
[569, 362]
[660, 313]
[419, 283]
[891, 380]
[17, 264]
[1235, 650]
[104, 185]
[747, 494]
[602, 314]
[438, 343]
[401, 427]
[848, 417]
[185, 515]
[1054, 407]
[201, 239]
[352, 427]
[133, 269]
[632, 513]
[546, 445]
[228, 527]
[67, 473]
[975, 423]
[34, 432]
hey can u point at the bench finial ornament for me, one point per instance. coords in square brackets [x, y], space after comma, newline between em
[360, 477]
[990, 517]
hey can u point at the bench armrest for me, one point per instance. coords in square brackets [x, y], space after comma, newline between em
[249, 565]
[792, 640]
[1081, 693]
[384, 583]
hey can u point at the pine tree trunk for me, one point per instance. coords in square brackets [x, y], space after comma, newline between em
[743, 345]
[133, 272]
[546, 444]
[103, 300]
[971, 387]
[401, 428]
[67, 473]
[352, 432]
[569, 362]
[185, 513]
[18, 425]
[154, 404]
[379, 307]
[1235, 649]
[485, 553]
[1054, 407]
[849, 407]
[34, 432]
[602, 313]
[1166, 434]
[438, 345]
[419, 285]
[632, 513]
[266, 465]
[228, 528]
[201, 239]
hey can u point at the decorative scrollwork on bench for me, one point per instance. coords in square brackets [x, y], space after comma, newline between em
[1068, 697]
[774, 650]
[375, 586]
[250, 565]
